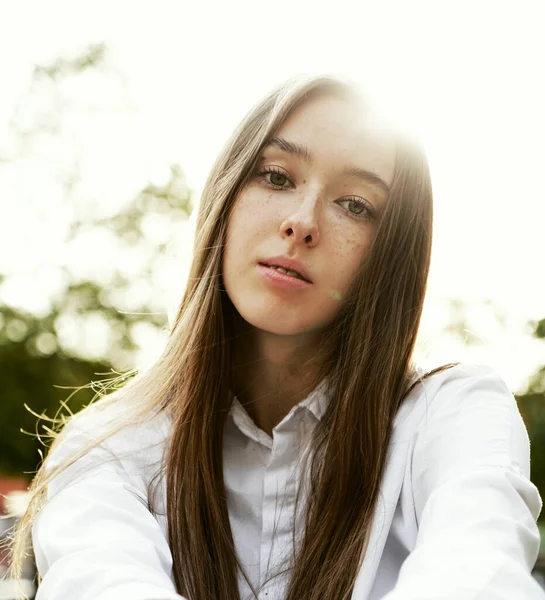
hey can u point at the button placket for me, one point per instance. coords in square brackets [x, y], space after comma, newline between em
[280, 487]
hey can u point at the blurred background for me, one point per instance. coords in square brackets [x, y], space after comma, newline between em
[111, 115]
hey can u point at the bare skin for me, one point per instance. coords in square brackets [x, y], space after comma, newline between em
[279, 376]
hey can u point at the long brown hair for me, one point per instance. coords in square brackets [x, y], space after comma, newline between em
[369, 372]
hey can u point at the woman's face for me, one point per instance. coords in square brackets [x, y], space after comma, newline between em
[316, 197]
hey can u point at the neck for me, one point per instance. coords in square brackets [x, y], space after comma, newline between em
[272, 373]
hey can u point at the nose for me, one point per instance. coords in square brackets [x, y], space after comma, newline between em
[302, 224]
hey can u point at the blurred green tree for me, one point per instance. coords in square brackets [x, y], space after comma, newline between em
[531, 403]
[35, 368]
[40, 359]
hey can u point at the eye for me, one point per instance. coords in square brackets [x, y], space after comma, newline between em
[277, 177]
[358, 208]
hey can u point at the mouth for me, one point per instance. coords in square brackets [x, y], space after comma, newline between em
[289, 272]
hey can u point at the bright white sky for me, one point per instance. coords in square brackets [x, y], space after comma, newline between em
[466, 75]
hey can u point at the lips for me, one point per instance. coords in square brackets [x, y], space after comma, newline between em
[290, 264]
[289, 272]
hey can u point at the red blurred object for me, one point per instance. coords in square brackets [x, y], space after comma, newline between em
[8, 589]
[11, 484]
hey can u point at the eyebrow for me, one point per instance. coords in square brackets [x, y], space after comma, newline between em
[304, 153]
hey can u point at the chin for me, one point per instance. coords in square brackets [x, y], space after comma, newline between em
[276, 325]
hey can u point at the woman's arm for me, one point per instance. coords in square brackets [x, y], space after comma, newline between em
[95, 539]
[475, 505]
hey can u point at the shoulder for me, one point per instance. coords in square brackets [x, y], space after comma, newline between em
[459, 375]
[461, 385]
[113, 437]
[465, 384]
[470, 412]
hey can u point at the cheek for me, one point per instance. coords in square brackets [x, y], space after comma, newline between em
[249, 224]
[253, 215]
[347, 252]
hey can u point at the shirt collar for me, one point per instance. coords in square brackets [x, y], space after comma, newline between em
[316, 403]
[318, 400]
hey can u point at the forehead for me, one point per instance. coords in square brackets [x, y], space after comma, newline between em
[340, 132]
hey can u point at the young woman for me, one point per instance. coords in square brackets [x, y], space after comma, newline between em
[285, 446]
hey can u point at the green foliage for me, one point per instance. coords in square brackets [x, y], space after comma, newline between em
[41, 362]
[532, 408]
[30, 382]
[37, 373]
[539, 329]
[93, 57]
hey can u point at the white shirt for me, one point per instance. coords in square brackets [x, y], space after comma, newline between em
[456, 518]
